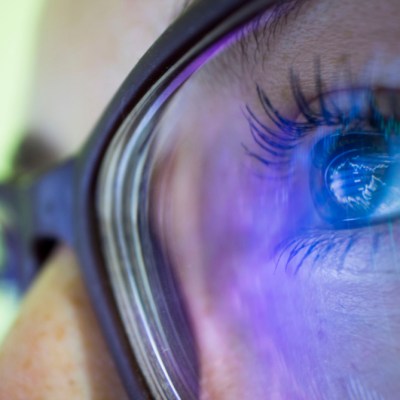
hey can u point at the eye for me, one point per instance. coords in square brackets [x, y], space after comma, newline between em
[354, 178]
[340, 160]
[354, 169]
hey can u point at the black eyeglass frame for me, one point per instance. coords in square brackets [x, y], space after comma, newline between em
[58, 206]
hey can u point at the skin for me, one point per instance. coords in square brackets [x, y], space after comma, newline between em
[56, 351]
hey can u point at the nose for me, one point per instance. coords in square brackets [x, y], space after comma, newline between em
[55, 349]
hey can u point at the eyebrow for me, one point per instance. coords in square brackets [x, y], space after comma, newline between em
[278, 17]
[263, 30]
[253, 41]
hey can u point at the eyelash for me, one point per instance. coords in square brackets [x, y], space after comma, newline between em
[308, 245]
[276, 142]
[293, 252]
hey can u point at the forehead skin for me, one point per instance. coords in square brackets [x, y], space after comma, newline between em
[86, 49]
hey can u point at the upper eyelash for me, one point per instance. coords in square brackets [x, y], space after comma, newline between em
[281, 136]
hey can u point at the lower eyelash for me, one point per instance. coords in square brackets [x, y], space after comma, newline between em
[317, 245]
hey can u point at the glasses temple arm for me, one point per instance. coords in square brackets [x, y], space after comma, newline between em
[36, 213]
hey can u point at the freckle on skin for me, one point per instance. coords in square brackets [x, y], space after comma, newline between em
[60, 333]
[27, 364]
[342, 59]
[286, 93]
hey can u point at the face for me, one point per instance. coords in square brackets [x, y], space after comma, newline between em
[306, 311]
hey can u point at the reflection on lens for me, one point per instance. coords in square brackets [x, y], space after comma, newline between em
[254, 235]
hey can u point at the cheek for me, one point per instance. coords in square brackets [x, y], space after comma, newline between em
[333, 334]
[349, 307]
[306, 336]
[55, 349]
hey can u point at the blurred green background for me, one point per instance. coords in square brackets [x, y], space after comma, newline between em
[19, 23]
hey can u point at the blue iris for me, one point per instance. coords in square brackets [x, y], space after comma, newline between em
[355, 178]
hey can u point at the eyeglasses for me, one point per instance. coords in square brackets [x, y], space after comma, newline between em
[213, 190]
[98, 203]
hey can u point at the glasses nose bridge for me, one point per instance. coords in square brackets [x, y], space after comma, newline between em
[41, 215]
